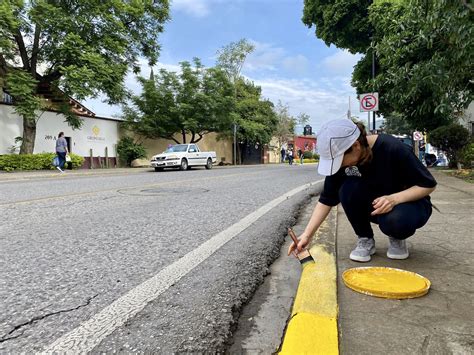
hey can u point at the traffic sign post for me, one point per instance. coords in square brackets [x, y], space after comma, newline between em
[417, 136]
[369, 102]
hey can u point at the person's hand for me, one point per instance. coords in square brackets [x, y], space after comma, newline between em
[303, 242]
[383, 204]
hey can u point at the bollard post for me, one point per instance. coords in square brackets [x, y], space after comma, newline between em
[107, 157]
[91, 157]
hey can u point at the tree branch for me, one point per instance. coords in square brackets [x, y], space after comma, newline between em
[22, 48]
[467, 5]
[35, 51]
[3, 66]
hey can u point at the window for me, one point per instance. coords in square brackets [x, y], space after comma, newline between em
[6, 98]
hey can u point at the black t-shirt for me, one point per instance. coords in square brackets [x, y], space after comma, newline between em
[394, 168]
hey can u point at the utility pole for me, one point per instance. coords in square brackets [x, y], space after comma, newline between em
[373, 86]
[235, 144]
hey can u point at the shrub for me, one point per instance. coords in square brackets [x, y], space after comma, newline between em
[316, 156]
[467, 155]
[308, 155]
[129, 150]
[42, 161]
[451, 139]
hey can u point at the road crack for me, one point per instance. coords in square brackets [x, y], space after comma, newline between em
[9, 336]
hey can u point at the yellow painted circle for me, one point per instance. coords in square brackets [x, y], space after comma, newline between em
[386, 282]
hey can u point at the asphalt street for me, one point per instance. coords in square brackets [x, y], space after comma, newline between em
[74, 248]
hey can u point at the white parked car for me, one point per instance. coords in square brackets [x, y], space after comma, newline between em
[183, 156]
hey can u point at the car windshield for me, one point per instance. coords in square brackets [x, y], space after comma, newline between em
[177, 148]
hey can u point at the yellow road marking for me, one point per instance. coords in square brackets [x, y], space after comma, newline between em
[312, 328]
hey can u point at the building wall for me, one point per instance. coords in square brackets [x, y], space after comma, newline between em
[209, 142]
[273, 151]
[95, 134]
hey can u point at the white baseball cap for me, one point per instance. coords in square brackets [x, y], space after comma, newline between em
[333, 139]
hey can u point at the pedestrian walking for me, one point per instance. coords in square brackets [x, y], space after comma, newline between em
[61, 151]
[283, 153]
[376, 179]
[301, 156]
[290, 157]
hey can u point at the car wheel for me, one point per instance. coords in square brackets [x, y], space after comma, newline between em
[158, 169]
[209, 164]
[184, 165]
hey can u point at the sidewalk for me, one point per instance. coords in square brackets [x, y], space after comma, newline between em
[442, 322]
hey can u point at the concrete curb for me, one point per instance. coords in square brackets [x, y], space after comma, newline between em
[313, 327]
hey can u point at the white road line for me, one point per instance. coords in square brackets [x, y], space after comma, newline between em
[90, 333]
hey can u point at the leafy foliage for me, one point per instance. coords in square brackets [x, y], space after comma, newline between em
[256, 118]
[467, 155]
[426, 59]
[285, 128]
[424, 53]
[340, 22]
[397, 124]
[42, 161]
[84, 47]
[451, 139]
[231, 58]
[128, 150]
[197, 101]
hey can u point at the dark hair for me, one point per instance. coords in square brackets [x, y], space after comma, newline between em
[366, 152]
[60, 134]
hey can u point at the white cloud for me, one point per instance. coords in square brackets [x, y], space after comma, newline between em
[265, 57]
[100, 108]
[196, 8]
[341, 62]
[308, 96]
[298, 64]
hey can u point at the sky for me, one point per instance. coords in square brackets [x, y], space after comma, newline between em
[289, 62]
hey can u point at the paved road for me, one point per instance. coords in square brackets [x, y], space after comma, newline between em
[144, 261]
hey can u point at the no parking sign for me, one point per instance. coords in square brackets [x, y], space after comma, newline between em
[369, 102]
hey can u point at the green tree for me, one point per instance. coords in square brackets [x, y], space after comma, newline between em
[129, 150]
[231, 58]
[197, 101]
[286, 123]
[451, 139]
[83, 48]
[423, 53]
[426, 59]
[343, 23]
[395, 123]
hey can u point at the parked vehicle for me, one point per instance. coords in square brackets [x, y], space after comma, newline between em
[183, 156]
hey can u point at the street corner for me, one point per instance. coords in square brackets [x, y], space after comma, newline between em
[312, 327]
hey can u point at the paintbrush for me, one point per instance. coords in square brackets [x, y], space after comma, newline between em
[304, 256]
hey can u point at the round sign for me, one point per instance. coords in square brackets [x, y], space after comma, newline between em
[417, 136]
[369, 102]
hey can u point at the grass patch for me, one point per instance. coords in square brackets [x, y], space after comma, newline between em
[464, 174]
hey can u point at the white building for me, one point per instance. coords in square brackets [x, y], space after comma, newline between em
[97, 137]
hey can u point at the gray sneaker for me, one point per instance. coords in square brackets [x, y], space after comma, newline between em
[397, 249]
[364, 249]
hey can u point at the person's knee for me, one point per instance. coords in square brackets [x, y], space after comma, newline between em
[396, 225]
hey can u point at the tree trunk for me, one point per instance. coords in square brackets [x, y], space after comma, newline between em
[29, 136]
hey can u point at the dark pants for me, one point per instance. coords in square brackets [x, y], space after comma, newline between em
[399, 223]
[62, 159]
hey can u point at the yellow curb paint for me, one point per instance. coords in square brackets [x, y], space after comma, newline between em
[311, 334]
[312, 328]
